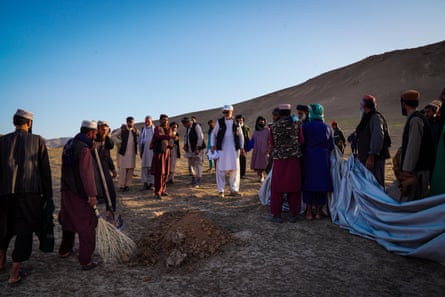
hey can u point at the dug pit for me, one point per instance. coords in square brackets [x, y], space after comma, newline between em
[177, 238]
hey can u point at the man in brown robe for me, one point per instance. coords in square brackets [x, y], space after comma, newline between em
[79, 193]
[160, 165]
[25, 185]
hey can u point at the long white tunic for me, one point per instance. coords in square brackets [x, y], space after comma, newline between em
[144, 145]
[128, 160]
[228, 156]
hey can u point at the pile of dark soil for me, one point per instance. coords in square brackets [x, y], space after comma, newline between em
[181, 237]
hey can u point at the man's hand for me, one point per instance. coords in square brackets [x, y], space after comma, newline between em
[92, 200]
[370, 162]
[406, 179]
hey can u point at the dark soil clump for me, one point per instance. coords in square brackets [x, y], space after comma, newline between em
[180, 237]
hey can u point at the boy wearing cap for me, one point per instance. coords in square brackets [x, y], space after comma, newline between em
[25, 185]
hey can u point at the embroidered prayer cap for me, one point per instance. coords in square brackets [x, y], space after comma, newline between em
[89, 124]
[24, 114]
[369, 101]
[102, 123]
[410, 98]
[316, 111]
[227, 107]
[411, 95]
[284, 107]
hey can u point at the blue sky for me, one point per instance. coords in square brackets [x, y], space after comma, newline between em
[67, 61]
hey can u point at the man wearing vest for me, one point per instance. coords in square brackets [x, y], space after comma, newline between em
[417, 152]
[128, 137]
[228, 140]
[373, 138]
[193, 144]
[246, 133]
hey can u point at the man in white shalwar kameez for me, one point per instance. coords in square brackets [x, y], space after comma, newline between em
[227, 139]
[146, 153]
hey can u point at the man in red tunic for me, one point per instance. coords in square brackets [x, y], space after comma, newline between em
[287, 138]
[79, 193]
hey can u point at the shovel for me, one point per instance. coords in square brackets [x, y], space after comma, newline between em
[117, 222]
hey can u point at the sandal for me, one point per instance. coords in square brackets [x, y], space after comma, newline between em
[90, 266]
[69, 253]
[18, 281]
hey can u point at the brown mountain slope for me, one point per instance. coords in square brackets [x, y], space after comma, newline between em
[385, 76]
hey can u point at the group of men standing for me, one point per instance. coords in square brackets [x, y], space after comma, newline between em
[415, 159]
[87, 167]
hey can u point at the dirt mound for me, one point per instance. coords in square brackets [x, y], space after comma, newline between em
[176, 238]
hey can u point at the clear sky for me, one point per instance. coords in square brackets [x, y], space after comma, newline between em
[67, 61]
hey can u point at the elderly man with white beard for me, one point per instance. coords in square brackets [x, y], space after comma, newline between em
[228, 141]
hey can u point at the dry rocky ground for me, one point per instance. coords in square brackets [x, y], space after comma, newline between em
[192, 243]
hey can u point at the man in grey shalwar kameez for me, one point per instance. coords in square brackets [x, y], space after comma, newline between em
[417, 151]
[146, 153]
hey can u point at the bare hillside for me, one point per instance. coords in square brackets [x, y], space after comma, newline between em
[385, 76]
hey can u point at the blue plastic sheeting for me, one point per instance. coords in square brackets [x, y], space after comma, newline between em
[360, 204]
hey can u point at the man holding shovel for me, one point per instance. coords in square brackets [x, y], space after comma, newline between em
[104, 144]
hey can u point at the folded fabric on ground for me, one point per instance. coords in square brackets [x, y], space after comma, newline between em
[360, 204]
[264, 193]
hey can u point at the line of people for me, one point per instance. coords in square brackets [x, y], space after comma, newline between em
[299, 147]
